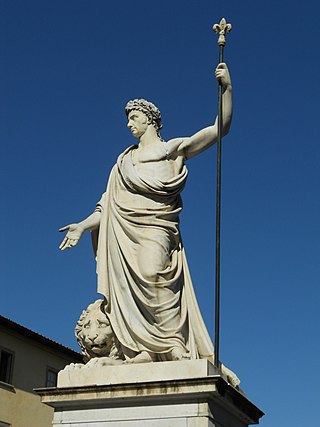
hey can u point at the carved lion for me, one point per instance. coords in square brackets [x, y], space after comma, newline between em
[95, 335]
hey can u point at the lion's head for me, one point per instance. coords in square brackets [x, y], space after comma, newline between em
[94, 333]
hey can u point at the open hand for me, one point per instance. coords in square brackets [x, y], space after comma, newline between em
[73, 236]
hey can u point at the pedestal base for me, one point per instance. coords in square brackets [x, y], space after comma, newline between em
[194, 396]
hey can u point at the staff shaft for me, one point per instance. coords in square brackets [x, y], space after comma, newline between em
[218, 224]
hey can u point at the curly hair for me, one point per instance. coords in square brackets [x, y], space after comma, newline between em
[148, 108]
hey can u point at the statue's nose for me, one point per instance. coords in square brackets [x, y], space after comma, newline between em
[92, 336]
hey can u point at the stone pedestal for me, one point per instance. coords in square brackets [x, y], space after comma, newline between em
[164, 394]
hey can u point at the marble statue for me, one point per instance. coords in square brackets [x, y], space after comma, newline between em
[141, 264]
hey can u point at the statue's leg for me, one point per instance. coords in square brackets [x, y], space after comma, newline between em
[154, 260]
[153, 257]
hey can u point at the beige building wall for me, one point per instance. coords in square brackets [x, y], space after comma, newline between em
[24, 409]
[33, 355]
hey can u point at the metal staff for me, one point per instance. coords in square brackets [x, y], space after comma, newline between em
[221, 29]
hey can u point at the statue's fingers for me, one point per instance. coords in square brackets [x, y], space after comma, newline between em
[64, 241]
[222, 65]
[66, 227]
[67, 245]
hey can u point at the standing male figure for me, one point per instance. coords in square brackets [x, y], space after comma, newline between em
[141, 264]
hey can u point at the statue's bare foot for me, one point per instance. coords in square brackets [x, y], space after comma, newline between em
[143, 357]
[179, 354]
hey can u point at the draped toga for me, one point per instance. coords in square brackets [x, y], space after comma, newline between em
[159, 315]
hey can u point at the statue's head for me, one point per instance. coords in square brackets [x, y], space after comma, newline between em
[93, 332]
[148, 109]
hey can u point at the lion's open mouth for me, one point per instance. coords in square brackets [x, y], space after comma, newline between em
[96, 346]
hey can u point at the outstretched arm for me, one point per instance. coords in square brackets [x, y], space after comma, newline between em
[200, 141]
[75, 231]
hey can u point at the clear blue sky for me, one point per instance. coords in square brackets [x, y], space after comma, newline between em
[68, 68]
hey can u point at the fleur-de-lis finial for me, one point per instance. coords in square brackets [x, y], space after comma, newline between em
[222, 29]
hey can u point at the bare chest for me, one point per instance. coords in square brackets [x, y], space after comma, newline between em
[154, 162]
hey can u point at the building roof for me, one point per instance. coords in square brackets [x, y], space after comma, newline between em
[22, 330]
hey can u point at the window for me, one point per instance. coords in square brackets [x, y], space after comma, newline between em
[3, 424]
[52, 377]
[6, 366]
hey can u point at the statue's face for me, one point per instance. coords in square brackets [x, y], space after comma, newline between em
[137, 123]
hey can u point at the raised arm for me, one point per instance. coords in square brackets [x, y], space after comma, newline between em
[200, 141]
